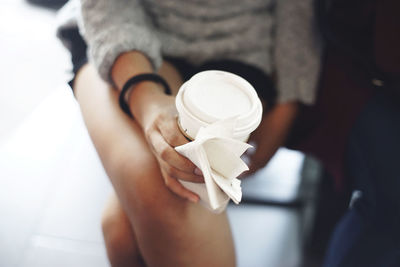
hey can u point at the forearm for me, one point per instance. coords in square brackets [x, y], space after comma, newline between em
[278, 123]
[112, 28]
[272, 133]
[145, 96]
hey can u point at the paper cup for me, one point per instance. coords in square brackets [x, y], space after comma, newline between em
[208, 97]
[213, 95]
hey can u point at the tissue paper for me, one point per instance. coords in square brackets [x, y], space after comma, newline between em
[217, 155]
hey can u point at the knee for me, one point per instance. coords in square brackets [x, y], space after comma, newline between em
[138, 180]
[154, 202]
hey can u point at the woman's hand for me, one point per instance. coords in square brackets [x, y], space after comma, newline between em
[156, 114]
[264, 147]
[163, 134]
[270, 135]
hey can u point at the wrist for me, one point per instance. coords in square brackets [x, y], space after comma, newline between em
[145, 100]
[127, 65]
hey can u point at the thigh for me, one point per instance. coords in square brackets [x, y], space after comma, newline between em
[170, 231]
[119, 238]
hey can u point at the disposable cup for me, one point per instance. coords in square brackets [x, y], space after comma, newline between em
[213, 95]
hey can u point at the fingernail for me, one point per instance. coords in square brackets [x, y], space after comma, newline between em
[197, 171]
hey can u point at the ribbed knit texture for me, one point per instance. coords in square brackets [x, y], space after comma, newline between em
[274, 35]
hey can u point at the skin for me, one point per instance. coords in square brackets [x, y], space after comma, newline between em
[151, 219]
[271, 134]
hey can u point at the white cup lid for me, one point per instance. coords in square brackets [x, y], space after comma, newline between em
[216, 97]
[213, 95]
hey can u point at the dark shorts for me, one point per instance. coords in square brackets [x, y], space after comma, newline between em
[261, 81]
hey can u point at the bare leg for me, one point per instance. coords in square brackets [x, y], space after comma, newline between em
[169, 230]
[121, 245]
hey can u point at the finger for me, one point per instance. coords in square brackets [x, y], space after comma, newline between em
[176, 187]
[255, 166]
[169, 129]
[177, 174]
[257, 161]
[165, 152]
[244, 174]
[252, 169]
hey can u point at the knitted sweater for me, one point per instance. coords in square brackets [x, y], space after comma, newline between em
[277, 36]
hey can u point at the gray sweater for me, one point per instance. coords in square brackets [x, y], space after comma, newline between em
[277, 36]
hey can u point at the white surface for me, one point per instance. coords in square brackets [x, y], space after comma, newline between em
[53, 189]
[279, 180]
[265, 236]
[32, 64]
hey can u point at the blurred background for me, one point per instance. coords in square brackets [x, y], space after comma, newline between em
[53, 187]
[33, 61]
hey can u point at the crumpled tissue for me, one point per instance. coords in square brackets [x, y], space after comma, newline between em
[217, 154]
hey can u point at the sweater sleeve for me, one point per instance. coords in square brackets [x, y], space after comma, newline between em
[112, 27]
[297, 53]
